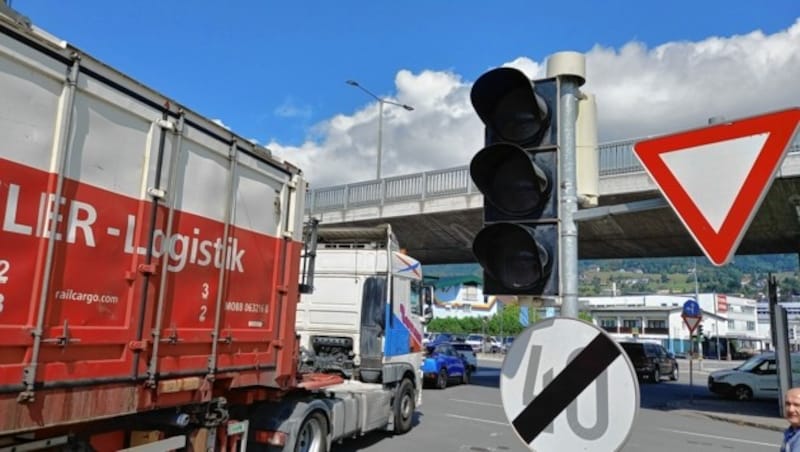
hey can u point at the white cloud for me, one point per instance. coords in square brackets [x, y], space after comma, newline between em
[639, 92]
[289, 110]
[220, 123]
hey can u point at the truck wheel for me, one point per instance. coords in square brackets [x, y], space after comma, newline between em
[313, 435]
[441, 380]
[404, 407]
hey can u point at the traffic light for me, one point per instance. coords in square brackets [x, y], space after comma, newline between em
[700, 330]
[517, 173]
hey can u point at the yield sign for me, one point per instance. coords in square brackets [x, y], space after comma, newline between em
[716, 177]
[691, 322]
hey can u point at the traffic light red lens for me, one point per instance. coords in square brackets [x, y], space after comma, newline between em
[516, 120]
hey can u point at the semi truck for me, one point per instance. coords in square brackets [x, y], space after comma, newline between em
[156, 278]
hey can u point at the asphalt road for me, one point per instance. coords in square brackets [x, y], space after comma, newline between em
[470, 418]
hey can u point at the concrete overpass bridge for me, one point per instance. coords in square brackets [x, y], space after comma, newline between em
[437, 213]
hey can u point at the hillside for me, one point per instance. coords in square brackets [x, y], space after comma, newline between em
[745, 275]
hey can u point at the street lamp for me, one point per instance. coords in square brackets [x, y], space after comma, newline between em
[381, 101]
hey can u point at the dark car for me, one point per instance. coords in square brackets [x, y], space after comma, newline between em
[442, 364]
[651, 361]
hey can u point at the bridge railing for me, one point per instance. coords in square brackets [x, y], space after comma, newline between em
[615, 158]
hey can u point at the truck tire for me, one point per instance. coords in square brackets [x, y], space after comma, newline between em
[312, 436]
[404, 407]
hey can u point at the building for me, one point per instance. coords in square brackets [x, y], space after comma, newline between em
[658, 318]
[655, 318]
[792, 315]
[462, 296]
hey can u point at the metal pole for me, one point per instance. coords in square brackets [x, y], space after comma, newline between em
[381, 101]
[568, 115]
[697, 299]
[691, 375]
[380, 138]
[781, 338]
[716, 327]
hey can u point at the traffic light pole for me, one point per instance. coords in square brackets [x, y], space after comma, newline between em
[569, 67]
[568, 115]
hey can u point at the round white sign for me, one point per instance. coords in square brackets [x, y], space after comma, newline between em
[566, 385]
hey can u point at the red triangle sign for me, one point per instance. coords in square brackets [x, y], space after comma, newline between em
[691, 322]
[716, 177]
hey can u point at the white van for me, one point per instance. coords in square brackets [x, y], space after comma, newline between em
[755, 378]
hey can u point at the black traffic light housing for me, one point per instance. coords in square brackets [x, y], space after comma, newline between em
[517, 172]
[700, 331]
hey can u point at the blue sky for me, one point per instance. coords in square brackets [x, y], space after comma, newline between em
[275, 71]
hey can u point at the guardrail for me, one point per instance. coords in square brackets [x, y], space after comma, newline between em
[615, 158]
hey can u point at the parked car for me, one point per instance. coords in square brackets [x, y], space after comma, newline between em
[466, 352]
[754, 378]
[651, 361]
[437, 338]
[442, 364]
[492, 345]
[475, 341]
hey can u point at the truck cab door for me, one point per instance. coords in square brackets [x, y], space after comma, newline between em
[373, 328]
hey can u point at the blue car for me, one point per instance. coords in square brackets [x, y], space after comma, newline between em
[442, 364]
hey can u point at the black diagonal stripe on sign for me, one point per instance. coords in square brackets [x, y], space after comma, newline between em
[566, 387]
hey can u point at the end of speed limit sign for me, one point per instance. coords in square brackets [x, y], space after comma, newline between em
[567, 385]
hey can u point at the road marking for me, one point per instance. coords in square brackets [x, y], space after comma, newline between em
[474, 419]
[478, 403]
[721, 437]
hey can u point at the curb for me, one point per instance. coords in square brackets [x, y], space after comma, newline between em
[738, 419]
[745, 422]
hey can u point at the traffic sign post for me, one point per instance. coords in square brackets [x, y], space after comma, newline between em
[581, 395]
[716, 177]
[692, 316]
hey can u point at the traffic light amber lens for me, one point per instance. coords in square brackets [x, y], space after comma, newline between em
[516, 189]
[516, 268]
[509, 179]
